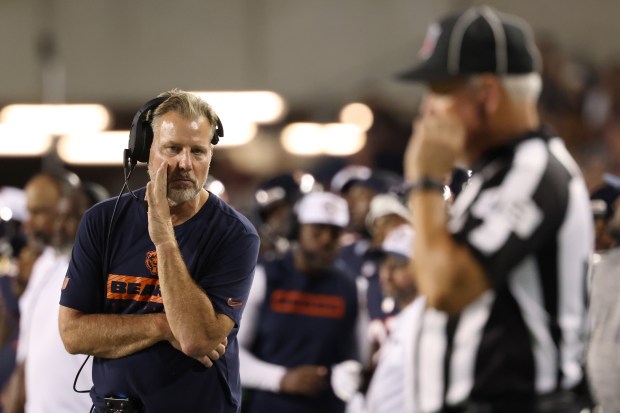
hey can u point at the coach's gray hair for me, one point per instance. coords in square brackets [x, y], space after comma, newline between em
[185, 104]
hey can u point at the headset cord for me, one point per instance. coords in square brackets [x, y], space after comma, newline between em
[127, 167]
[106, 250]
[78, 375]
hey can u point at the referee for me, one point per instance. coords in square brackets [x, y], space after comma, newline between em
[504, 273]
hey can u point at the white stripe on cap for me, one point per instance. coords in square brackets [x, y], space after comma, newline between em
[501, 52]
[456, 39]
[530, 43]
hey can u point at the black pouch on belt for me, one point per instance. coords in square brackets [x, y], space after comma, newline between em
[119, 405]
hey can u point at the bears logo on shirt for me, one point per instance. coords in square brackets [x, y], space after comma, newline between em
[151, 262]
[307, 304]
[133, 288]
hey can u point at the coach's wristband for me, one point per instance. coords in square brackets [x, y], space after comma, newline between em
[424, 184]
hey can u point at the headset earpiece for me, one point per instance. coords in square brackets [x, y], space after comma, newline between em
[219, 131]
[141, 133]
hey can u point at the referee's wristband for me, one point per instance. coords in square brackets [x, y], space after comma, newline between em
[424, 184]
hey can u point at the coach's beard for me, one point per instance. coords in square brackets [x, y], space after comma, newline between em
[182, 188]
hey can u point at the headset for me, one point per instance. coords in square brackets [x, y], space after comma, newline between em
[141, 133]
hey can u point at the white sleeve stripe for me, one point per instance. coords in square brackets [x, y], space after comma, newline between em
[247, 331]
[258, 374]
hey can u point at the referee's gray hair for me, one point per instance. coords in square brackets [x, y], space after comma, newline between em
[521, 88]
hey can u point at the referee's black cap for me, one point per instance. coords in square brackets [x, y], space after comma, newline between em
[479, 40]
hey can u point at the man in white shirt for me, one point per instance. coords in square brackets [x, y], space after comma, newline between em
[48, 370]
[388, 390]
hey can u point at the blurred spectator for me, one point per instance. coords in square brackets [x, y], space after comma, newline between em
[386, 213]
[372, 213]
[358, 185]
[602, 359]
[53, 390]
[275, 199]
[43, 193]
[396, 273]
[602, 239]
[387, 391]
[603, 201]
[300, 319]
[9, 320]
[12, 214]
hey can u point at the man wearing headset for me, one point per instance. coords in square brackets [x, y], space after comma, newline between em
[179, 266]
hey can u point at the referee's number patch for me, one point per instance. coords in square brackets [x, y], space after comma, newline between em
[502, 215]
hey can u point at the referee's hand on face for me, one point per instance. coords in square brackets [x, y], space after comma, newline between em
[437, 141]
[306, 380]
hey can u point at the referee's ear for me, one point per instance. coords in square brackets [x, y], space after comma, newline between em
[490, 93]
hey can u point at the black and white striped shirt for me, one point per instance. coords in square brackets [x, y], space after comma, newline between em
[525, 215]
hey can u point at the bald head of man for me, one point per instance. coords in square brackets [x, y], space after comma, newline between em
[43, 194]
